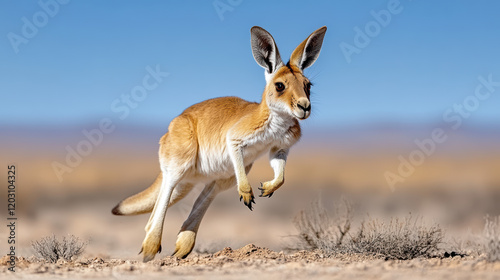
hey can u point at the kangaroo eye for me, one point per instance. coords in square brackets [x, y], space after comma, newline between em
[279, 86]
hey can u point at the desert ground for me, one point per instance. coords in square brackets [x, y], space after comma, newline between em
[250, 262]
[455, 189]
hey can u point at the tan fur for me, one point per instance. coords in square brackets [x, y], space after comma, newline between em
[144, 201]
[184, 244]
[140, 203]
[216, 141]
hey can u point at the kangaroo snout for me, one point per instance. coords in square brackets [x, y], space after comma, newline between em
[303, 108]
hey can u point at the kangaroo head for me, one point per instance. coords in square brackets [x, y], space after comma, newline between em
[287, 89]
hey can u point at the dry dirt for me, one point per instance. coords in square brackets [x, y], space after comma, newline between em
[454, 188]
[252, 262]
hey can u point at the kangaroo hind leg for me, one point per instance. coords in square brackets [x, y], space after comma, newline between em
[178, 150]
[187, 235]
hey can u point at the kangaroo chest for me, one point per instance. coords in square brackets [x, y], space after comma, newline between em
[276, 133]
[216, 163]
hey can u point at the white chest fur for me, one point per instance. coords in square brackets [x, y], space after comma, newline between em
[215, 163]
[274, 133]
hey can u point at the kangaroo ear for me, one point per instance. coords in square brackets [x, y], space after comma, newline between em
[264, 49]
[308, 51]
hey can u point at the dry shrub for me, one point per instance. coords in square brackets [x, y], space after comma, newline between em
[51, 249]
[318, 230]
[467, 243]
[401, 239]
[491, 245]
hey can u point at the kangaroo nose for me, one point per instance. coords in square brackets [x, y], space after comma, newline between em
[304, 104]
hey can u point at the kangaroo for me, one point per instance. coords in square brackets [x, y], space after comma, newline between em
[215, 143]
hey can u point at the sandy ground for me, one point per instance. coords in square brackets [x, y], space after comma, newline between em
[113, 244]
[252, 262]
[454, 189]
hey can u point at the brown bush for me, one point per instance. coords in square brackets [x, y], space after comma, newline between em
[318, 230]
[491, 244]
[51, 249]
[402, 239]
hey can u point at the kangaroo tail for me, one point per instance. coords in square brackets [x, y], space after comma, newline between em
[140, 203]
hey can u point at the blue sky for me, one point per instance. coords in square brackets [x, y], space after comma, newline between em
[90, 53]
